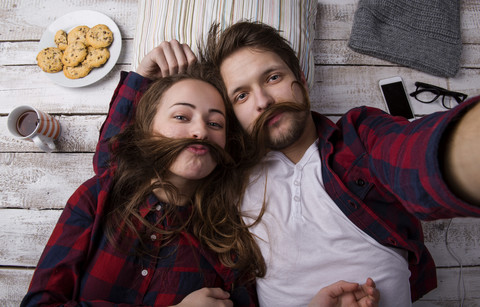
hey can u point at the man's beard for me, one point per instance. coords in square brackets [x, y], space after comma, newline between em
[262, 135]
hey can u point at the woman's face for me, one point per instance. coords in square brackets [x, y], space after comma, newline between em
[192, 109]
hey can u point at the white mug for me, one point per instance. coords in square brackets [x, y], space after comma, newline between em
[31, 124]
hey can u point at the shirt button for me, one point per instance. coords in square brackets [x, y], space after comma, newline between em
[296, 198]
[158, 207]
[144, 273]
[360, 182]
[353, 204]
[153, 237]
[392, 241]
[296, 182]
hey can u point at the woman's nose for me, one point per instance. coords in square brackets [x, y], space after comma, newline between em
[199, 131]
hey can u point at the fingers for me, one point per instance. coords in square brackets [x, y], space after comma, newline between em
[370, 282]
[216, 293]
[190, 56]
[208, 297]
[168, 58]
[174, 58]
[368, 293]
[220, 296]
[341, 287]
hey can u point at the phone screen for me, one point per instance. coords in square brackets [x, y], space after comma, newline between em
[397, 100]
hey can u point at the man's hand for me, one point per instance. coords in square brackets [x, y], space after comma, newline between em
[347, 294]
[168, 58]
[214, 297]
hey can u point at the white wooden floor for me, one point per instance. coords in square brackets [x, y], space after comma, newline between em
[34, 186]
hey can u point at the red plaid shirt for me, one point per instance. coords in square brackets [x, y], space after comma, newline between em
[79, 268]
[383, 172]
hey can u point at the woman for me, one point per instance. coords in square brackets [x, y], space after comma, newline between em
[158, 224]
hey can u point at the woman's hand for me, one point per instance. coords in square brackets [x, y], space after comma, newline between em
[168, 58]
[214, 297]
[343, 294]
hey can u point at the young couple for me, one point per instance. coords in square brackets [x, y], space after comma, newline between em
[159, 224]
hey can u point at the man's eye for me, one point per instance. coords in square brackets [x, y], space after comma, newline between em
[215, 125]
[241, 97]
[274, 77]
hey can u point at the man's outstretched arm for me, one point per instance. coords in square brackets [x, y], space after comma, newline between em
[462, 156]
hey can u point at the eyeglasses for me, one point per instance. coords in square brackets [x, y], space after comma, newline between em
[428, 93]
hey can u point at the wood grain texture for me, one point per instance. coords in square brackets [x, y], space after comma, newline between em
[41, 180]
[13, 286]
[78, 134]
[23, 20]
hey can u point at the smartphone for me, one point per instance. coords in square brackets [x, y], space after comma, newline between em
[396, 98]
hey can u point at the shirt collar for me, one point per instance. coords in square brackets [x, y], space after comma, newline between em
[152, 203]
[325, 127]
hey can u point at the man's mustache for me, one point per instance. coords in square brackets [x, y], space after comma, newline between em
[259, 131]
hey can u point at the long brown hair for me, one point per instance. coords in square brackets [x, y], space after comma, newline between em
[142, 158]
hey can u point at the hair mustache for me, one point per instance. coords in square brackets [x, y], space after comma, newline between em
[162, 151]
[259, 133]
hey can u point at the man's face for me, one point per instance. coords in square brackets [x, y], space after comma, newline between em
[256, 80]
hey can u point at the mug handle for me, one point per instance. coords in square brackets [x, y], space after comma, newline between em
[46, 145]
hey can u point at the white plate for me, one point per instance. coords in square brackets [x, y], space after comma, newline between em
[68, 22]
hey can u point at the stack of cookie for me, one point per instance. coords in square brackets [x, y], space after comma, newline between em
[77, 52]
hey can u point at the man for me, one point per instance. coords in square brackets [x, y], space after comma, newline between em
[338, 203]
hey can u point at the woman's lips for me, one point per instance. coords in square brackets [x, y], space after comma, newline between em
[198, 149]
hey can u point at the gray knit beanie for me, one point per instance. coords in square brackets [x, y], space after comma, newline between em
[421, 34]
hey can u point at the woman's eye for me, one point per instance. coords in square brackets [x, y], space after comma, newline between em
[180, 117]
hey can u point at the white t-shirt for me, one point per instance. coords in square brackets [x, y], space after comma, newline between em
[307, 241]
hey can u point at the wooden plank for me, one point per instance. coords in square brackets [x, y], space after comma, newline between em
[79, 134]
[41, 180]
[22, 20]
[470, 21]
[463, 241]
[24, 235]
[39, 91]
[446, 294]
[338, 89]
[334, 19]
[13, 286]
[441, 303]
